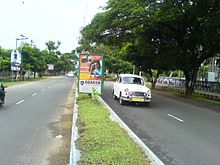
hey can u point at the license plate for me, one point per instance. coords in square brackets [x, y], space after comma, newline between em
[138, 99]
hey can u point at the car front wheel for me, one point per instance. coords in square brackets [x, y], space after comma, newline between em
[147, 104]
[121, 101]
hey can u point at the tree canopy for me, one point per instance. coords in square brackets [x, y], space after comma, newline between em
[160, 34]
[37, 61]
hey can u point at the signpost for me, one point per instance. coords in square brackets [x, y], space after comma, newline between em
[16, 58]
[91, 69]
[15, 62]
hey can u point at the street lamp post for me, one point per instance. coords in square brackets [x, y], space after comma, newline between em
[22, 37]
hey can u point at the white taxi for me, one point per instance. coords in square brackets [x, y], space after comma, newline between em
[131, 88]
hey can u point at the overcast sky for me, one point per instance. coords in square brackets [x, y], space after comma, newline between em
[44, 20]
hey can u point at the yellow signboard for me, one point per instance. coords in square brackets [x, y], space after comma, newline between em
[90, 77]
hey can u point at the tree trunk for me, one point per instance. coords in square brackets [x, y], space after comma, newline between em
[154, 78]
[153, 82]
[190, 80]
[23, 76]
[151, 77]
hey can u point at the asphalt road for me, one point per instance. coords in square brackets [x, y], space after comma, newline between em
[179, 133]
[26, 134]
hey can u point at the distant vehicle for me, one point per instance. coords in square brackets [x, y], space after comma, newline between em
[70, 74]
[131, 88]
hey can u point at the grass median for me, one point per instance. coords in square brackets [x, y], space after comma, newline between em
[8, 82]
[101, 140]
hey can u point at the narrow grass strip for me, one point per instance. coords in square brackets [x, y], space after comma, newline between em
[103, 141]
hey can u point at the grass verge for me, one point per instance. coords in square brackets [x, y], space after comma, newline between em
[11, 83]
[194, 97]
[59, 155]
[101, 140]
[204, 99]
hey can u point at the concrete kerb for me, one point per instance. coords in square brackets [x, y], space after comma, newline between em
[154, 159]
[74, 153]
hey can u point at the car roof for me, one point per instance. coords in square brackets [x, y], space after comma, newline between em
[130, 75]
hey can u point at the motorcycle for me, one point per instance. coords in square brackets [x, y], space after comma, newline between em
[1, 103]
[2, 97]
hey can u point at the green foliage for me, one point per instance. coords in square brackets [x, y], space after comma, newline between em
[5, 58]
[52, 47]
[63, 63]
[95, 94]
[160, 35]
[4, 64]
[117, 65]
[36, 60]
[33, 59]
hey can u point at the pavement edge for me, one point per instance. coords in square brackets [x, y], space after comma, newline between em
[154, 159]
[74, 153]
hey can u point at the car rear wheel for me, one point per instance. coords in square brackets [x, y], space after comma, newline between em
[113, 95]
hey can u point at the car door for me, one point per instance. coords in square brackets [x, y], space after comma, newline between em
[117, 86]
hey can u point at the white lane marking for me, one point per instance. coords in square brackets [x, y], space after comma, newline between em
[42, 89]
[20, 102]
[34, 94]
[174, 117]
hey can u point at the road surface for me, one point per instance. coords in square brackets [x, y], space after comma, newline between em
[179, 133]
[27, 136]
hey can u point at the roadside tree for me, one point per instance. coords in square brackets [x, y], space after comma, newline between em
[182, 33]
[5, 56]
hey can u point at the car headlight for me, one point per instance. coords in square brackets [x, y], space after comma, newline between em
[147, 94]
[130, 94]
[126, 90]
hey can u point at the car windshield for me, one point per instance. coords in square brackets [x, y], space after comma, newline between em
[132, 80]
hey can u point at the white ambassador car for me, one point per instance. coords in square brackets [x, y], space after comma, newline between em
[131, 88]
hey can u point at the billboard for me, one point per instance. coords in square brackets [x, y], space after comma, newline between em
[90, 73]
[50, 67]
[15, 60]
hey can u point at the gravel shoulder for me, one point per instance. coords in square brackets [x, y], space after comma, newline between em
[61, 152]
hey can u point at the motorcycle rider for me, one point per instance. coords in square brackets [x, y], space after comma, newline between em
[2, 93]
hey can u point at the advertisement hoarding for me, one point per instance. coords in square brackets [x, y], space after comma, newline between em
[15, 60]
[90, 73]
[50, 67]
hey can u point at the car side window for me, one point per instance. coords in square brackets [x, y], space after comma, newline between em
[142, 81]
[119, 79]
[127, 80]
[137, 81]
